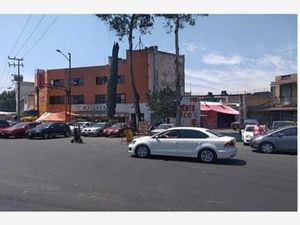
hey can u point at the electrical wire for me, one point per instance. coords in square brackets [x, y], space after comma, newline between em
[6, 62]
[20, 35]
[40, 21]
[37, 41]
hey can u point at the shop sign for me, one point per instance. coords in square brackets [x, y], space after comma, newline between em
[190, 111]
[89, 108]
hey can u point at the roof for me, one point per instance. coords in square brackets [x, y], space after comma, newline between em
[220, 108]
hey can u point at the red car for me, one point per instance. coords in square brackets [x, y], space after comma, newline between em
[115, 130]
[18, 130]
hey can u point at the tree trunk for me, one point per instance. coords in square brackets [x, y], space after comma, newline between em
[136, 97]
[112, 84]
[178, 92]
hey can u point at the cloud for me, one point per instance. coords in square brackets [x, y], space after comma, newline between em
[233, 80]
[191, 46]
[218, 59]
[276, 61]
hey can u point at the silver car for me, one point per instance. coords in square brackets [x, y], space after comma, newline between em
[284, 139]
[94, 130]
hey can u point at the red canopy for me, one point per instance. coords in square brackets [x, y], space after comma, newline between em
[218, 108]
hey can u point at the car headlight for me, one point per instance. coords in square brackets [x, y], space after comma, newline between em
[133, 142]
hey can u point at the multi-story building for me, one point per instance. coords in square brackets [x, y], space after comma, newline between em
[284, 99]
[153, 70]
[26, 96]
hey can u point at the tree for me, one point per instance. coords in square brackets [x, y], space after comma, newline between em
[124, 25]
[163, 103]
[112, 83]
[8, 101]
[175, 22]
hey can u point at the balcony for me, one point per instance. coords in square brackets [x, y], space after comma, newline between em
[284, 101]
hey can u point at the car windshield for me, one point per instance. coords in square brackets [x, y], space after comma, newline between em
[43, 125]
[19, 125]
[98, 125]
[249, 129]
[215, 133]
[250, 121]
[164, 126]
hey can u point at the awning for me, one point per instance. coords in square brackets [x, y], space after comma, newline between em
[219, 108]
[52, 117]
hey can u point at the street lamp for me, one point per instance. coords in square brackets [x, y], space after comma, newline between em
[68, 89]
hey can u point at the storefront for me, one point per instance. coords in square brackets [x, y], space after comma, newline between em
[217, 115]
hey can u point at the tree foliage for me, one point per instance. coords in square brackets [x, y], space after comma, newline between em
[175, 22]
[163, 103]
[112, 83]
[124, 25]
[8, 101]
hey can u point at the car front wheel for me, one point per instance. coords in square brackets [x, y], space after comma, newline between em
[46, 136]
[266, 147]
[142, 151]
[207, 155]
[67, 134]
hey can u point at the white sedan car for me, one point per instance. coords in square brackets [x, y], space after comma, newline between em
[247, 134]
[194, 142]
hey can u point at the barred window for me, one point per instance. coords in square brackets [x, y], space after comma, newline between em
[77, 99]
[57, 83]
[77, 81]
[100, 99]
[56, 100]
[121, 98]
[101, 80]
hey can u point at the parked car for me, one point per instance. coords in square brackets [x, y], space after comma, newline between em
[4, 124]
[201, 143]
[49, 130]
[116, 130]
[235, 125]
[247, 122]
[162, 127]
[283, 139]
[18, 130]
[280, 124]
[82, 125]
[94, 130]
[248, 134]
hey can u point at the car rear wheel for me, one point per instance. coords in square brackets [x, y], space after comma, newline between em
[46, 136]
[266, 147]
[207, 155]
[67, 134]
[142, 151]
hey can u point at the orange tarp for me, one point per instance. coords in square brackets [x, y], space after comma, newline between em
[52, 117]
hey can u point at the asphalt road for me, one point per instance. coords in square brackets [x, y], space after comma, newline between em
[55, 175]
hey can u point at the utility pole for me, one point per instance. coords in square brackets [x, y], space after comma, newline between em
[18, 78]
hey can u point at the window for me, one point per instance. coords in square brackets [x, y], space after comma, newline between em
[101, 80]
[56, 100]
[100, 99]
[192, 134]
[121, 98]
[121, 79]
[169, 134]
[77, 99]
[57, 83]
[77, 81]
[289, 132]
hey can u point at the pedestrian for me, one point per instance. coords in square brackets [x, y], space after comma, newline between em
[257, 130]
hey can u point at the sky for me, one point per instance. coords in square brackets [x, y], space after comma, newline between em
[235, 52]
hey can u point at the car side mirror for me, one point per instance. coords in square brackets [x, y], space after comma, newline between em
[280, 135]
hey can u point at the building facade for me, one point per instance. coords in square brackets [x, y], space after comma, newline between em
[284, 99]
[153, 70]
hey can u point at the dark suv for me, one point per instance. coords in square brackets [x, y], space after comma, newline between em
[49, 130]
